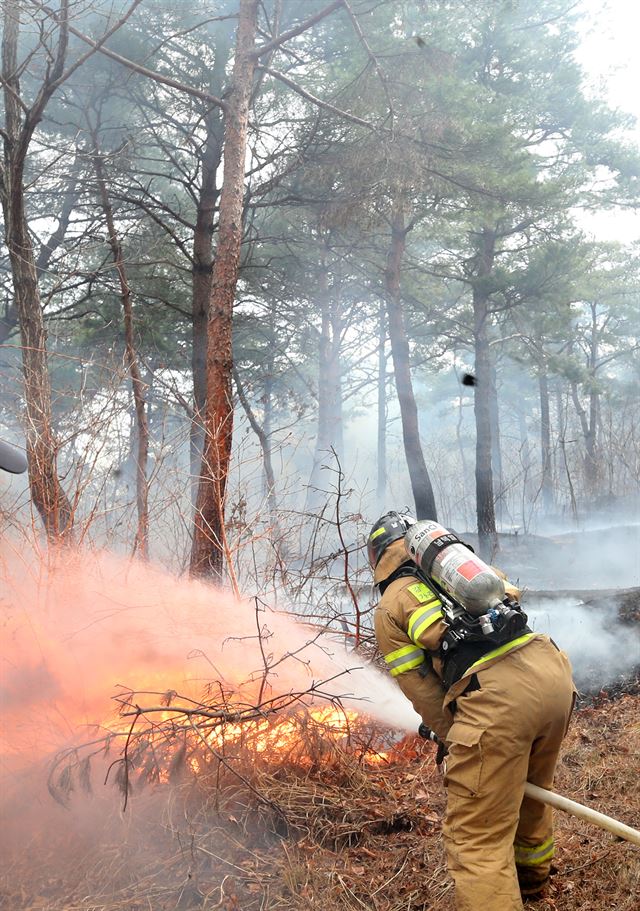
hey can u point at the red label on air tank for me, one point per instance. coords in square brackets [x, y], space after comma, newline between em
[469, 569]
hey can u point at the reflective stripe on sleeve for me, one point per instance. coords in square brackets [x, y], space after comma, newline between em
[422, 618]
[532, 856]
[404, 659]
[502, 650]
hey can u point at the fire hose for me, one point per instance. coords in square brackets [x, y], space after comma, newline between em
[554, 800]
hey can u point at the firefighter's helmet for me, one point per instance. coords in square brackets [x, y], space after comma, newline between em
[389, 528]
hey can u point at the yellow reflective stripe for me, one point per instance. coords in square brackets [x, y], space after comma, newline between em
[533, 856]
[404, 659]
[502, 650]
[376, 534]
[422, 618]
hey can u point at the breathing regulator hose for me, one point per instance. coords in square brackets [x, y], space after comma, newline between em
[549, 797]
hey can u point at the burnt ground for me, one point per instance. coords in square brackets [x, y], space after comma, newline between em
[329, 833]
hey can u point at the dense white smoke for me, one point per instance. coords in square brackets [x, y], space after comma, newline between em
[601, 648]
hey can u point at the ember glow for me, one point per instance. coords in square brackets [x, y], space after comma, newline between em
[302, 739]
[281, 737]
[93, 628]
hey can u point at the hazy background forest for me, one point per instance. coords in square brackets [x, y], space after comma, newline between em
[417, 198]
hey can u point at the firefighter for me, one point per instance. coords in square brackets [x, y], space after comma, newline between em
[502, 712]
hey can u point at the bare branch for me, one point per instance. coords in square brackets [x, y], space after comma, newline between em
[325, 105]
[296, 30]
[150, 74]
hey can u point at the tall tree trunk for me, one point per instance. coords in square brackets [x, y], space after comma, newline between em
[69, 201]
[591, 459]
[562, 439]
[588, 427]
[9, 319]
[589, 419]
[487, 535]
[418, 474]
[141, 542]
[265, 446]
[525, 461]
[203, 250]
[381, 480]
[329, 435]
[545, 441]
[461, 450]
[496, 451]
[47, 493]
[208, 545]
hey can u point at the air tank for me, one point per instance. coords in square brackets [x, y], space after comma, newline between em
[454, 567]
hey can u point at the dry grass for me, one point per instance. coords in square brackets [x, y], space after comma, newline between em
[322, 830]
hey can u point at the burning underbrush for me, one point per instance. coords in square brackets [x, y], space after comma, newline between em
[303, 808]
[216, 797]
[222, 741]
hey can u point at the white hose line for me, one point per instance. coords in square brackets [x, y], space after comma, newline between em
[586, 813]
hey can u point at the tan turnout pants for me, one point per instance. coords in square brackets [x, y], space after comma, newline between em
[505, 733]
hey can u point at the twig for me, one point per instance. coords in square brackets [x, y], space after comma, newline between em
[125, 761]
[317, 101]
[296, 30]
[345, 549]
[582, 866]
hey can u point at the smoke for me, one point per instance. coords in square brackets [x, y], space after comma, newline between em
[78, 631]
[600, 647]
[83, 628]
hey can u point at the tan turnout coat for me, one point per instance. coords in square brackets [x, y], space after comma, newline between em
[504, 730]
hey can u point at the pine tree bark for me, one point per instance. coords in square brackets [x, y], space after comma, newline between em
[208, 546]
[420, 481]
[485, 509]
[203, 250]
[141, 541]
[47, 493]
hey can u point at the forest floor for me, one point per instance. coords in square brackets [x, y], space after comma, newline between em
[337, 836]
